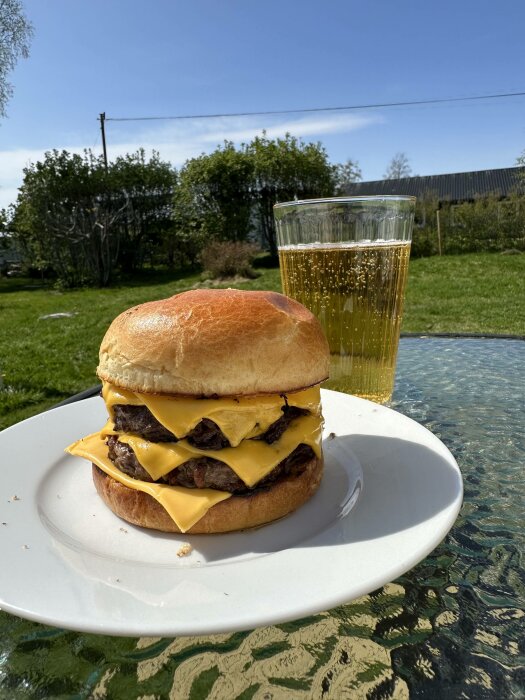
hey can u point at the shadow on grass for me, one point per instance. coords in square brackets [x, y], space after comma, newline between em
[20, 402]
[23, 284]
[143, 278]
[34, 394]
[151, 278]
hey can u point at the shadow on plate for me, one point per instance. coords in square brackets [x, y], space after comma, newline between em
[402, 484]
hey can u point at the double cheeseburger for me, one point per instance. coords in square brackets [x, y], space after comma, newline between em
[214, 411]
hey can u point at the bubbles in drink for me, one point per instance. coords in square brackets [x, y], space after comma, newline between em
[356, 290]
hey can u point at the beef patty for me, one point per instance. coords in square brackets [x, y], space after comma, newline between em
[206, 472]
[200, 472]
[206, 435]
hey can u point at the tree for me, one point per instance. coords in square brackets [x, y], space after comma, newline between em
[229, 193]
[80, 220]
[213, 196]
[286, 169]
[146, 187]
[15, 34]
[64, 218]
[399, 167]
[345, 174]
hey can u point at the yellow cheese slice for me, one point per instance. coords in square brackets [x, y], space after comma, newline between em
[251, 460]
[108, 429]
[185, 506]
[114, 394]
[238, 418]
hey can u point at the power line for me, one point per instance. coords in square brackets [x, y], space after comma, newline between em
[323, 109]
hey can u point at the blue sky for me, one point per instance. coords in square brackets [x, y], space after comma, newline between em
[177, 57]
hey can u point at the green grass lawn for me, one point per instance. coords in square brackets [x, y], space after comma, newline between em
[476, 293]
[42, 361]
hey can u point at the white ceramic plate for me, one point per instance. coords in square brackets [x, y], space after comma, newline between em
[70, 562]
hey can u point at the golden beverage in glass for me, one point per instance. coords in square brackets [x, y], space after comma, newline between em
[355, 286]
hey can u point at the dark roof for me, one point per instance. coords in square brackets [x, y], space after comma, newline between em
[454, 186]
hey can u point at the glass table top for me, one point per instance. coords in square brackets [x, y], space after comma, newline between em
[451, 627]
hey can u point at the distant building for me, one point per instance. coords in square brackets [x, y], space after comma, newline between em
[439, 228]
[453, 187]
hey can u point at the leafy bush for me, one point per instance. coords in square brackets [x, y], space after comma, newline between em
[180, 249]
[424, 235]
[84, 221]
[228, 259]
[424, 242]
[487, 224]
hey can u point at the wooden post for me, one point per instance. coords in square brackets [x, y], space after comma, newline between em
[102, 119]
[438, 231]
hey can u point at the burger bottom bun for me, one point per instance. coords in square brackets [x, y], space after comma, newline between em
[235, 513]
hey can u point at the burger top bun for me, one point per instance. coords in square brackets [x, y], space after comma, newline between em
[226, 342]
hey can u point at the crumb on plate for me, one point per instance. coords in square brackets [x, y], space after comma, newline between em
[185, 549]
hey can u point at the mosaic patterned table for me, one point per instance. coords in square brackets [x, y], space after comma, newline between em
[452, 627]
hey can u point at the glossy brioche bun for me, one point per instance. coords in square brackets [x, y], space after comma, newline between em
[235, 513]
[226, 342]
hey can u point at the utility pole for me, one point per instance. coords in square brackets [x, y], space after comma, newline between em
[102, 118]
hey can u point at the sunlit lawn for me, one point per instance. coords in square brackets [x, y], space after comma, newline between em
[477, 293]
[42, 361]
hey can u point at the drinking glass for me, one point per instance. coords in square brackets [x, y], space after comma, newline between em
[346, 259]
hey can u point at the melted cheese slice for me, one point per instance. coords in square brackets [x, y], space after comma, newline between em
[238, 418]
[184, 506]
[251, 460]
